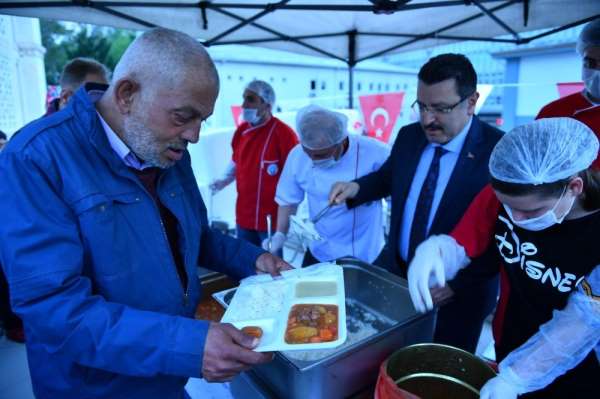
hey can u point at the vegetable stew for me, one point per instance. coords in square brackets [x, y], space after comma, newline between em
[308, 323]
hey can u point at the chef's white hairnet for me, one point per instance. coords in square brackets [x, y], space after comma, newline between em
[589, 36]
[263, 89]
[320, 128]
[543, 151]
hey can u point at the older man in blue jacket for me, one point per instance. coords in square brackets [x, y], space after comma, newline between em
[103, 227]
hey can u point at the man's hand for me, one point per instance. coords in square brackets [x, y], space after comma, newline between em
[441, 295]
[218, 185]
[341, 191]
[269, 263]
[228, 351]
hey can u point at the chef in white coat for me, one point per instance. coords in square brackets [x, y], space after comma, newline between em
[327, 154]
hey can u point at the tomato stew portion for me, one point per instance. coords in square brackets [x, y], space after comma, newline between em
[308, 323]
[253, 331]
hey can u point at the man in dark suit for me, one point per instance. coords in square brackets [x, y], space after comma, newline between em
[436, 168]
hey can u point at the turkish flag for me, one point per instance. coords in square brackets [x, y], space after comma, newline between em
[380, 112]
[236, 110]
[565, 89]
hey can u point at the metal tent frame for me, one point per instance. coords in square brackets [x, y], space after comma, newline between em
[376, 7]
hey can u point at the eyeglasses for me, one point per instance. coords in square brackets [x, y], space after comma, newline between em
[439, 110]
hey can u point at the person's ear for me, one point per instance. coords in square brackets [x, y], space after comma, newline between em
[471, 102]
[267, 109]
[65, 95]
[575, 186]
[125, 92]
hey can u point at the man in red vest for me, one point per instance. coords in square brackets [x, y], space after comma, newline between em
[260, 147]
[584, 105]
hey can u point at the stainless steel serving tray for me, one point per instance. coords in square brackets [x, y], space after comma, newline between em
[351, 368]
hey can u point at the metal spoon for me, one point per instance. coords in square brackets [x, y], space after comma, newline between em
[322, 213]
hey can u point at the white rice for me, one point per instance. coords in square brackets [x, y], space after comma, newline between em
[257, 301]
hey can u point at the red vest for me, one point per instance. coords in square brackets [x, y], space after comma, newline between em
[259, 154]
[578, 107]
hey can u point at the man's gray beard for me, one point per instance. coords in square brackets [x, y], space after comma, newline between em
[141, 140]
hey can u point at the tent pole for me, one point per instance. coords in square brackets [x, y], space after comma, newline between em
[351, 63]
[350, 86]
[268, 9]
[433, 34]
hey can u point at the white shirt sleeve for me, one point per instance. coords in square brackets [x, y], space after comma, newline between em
[561, 343]
[289, 191]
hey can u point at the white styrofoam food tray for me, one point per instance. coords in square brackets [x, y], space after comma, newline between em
[264, 302]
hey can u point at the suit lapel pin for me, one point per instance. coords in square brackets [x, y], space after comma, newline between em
[470, 155]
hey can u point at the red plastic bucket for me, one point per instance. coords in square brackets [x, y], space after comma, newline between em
[432, 371]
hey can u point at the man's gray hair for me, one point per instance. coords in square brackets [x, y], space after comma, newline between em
[166, 57]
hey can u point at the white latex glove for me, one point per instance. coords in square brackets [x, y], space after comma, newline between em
[436, 259]
[498, 388]
[277, 242]
[305, 228]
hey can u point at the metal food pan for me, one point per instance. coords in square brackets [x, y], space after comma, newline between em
[351, 368]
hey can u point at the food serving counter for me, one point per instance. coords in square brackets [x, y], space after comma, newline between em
[380, 320]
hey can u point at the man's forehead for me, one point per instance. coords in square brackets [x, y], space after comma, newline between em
[199, 101]
[443, 91]
[444, 85]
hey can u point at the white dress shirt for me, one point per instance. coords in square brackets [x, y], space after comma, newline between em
[447, 164]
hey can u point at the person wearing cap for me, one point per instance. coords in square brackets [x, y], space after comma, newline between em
[584, 105]
[436, 167]
[76, 73]
[260, 148]
[325, 155]
[541, 213]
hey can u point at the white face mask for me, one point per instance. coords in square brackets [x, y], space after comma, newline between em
[541, 222]
[250, 115]
[324, 163]
[591, 80]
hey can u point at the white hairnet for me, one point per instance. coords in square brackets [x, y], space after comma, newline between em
[543, 151]
[264, 91]
[589, 36]
[320, 128]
